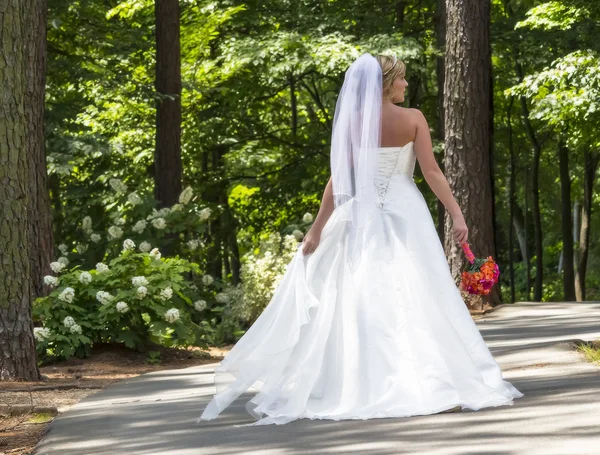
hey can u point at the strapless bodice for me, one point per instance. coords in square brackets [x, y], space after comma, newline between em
[392, 161]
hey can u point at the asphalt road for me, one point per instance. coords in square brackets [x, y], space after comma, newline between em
[560, 413]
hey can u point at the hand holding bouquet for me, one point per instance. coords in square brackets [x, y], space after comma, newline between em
[481, 275]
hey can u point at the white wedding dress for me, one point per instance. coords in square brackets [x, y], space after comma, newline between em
[393, 338]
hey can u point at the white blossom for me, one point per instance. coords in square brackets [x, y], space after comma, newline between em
[139, 281]
[307, 218]
[200, 305]
[298, 234]
[155, 254]
[128, 244]
[68, 321]
[85, 277]
[193, 244]
[119, 221]
[63, 248]
[289, 241]
[141, 292]
[177, 208]
[51, 280]
[162, 213]
[134, 198]
[63, 260]
[118, 185]
[115, 232]
[95, 238]
[139, 226]
[102, 268]
[81, 248]
[166, 294]
[172, 315]
[104, 297]
[186, 195]
[122, 307]
[159, 223]
[221, 297]
[75, 328]
[67, 295]
[204, 214]
[145, 247]
[57, 266]
[207, 280]
[41, 333]
[86, 224]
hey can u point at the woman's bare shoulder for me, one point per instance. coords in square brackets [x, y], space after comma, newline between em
[410, 113]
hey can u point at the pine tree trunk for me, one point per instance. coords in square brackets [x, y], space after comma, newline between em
[17, 347]
[440, 39]
[40, 214]
[467, 130]
[167, 159]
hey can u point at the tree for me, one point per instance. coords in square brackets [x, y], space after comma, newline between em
[167, 159]
[40, 215]
[467, 127]
[567, 226]
[17, 347]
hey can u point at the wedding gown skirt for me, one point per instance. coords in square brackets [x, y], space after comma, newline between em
[391, 339]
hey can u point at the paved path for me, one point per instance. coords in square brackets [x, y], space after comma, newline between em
[560, 413]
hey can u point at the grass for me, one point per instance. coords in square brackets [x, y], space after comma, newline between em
[591, 350]
[41, 417]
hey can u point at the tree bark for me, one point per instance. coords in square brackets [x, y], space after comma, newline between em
[511, 200]
[566, 222]
[167, 158]
[440, 39]
[400, 7]
[591, 162]
[467, 132]
[17, 347]
[40, 214]
[535, 193]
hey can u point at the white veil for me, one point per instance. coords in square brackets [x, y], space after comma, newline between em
[355, 137]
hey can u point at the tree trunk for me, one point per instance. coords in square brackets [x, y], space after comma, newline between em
[590, 168]
[40, 214]
[511, 200]
[167, 157]
[467, 132]
[535, 193]
[400, 7]
[440, 39]
[17, 347]
[567, 227]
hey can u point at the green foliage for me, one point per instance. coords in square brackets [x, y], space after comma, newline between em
[553, 16]
[262, 271]
[138, 299]
[259, 89]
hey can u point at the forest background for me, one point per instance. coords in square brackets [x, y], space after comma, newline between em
[185, 151]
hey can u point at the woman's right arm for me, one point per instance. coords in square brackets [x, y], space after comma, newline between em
[313, 236]
[435, 178]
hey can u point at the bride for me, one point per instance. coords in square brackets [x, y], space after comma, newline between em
[367, 321]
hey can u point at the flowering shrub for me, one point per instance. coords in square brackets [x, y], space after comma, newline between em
[131, 216]
[261, 273]
[137, 299]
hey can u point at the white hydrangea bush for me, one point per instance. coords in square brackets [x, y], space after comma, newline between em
[118, 286]
[136, 298]
[261, 273]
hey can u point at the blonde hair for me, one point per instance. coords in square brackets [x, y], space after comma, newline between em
[391, 68]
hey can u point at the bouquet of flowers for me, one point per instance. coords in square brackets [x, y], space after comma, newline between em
[481, 275]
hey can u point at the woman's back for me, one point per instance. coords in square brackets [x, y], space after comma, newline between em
[398, 125]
